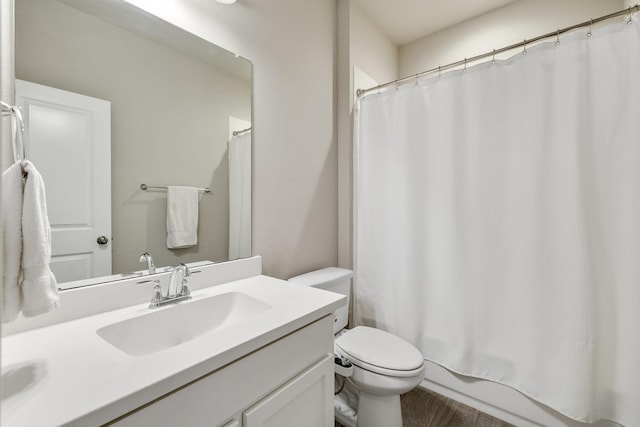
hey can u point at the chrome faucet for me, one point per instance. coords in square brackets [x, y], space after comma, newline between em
[177, 290]
[145, 257]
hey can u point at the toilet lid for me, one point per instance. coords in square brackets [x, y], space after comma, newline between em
[371, 347]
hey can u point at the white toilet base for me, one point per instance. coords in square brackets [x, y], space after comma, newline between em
[379, 411]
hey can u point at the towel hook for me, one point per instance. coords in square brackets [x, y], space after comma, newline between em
[6, 108]
[17, 130]
[19, 153]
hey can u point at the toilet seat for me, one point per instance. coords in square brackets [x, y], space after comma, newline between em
[380, 352]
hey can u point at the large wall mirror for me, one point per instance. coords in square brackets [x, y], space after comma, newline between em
[166, 102]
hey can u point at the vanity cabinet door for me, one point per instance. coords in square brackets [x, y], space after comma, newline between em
[306, 400]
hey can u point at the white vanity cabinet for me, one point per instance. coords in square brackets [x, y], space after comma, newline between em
[288, 382]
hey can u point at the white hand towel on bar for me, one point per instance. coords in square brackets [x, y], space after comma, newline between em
[12, 240]
[39, 287]
[182, 217]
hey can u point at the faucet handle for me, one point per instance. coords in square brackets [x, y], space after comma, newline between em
[157, 293]
[156, 300]
[186, 272]
[185, 289]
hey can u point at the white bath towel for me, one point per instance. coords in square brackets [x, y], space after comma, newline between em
[12, 240]
[182, 217]
[39, 288]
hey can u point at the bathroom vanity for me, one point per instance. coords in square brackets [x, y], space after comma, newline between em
[244, 351]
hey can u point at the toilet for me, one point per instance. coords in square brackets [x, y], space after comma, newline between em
[376, 365]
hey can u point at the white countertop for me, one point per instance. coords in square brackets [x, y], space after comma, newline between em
[65, 374]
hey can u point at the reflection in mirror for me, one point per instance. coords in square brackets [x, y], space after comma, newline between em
[110, 107]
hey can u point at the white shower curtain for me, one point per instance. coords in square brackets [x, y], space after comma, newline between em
[498, 221]
[240, 196]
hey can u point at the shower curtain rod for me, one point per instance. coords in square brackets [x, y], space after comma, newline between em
[494, 52]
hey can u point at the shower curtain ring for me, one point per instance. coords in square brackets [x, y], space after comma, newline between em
[439, 72]
[493, 58]
[465, 64]
[630, 19]
[589, 34]
[558, 37]
[524, 52]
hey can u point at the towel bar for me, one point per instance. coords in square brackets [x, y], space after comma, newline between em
[152, 187]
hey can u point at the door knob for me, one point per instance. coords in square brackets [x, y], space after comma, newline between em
[102, 240]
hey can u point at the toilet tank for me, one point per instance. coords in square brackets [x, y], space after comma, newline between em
[332, 279]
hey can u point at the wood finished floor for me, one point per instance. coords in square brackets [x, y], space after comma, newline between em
[424, 408]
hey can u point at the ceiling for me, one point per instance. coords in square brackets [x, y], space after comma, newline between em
[404, 21]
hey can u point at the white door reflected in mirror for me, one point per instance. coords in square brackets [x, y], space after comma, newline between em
[68, 137]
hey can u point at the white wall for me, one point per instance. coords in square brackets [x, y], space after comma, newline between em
[371, 50]
[6, 95]
[292, 44]
[502, 27]
[6, 81]
[365, 46]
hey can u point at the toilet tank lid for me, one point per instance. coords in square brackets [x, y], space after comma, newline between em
[323, 277]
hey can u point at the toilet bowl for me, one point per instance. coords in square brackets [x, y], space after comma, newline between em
[383, 365]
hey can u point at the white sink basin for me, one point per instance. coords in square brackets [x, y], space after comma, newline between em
[173, 325]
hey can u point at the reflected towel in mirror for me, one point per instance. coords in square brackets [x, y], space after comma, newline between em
[39, 287]
[182, 217]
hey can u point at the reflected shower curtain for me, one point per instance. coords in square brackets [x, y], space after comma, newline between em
[498, 221]
[240, 196]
